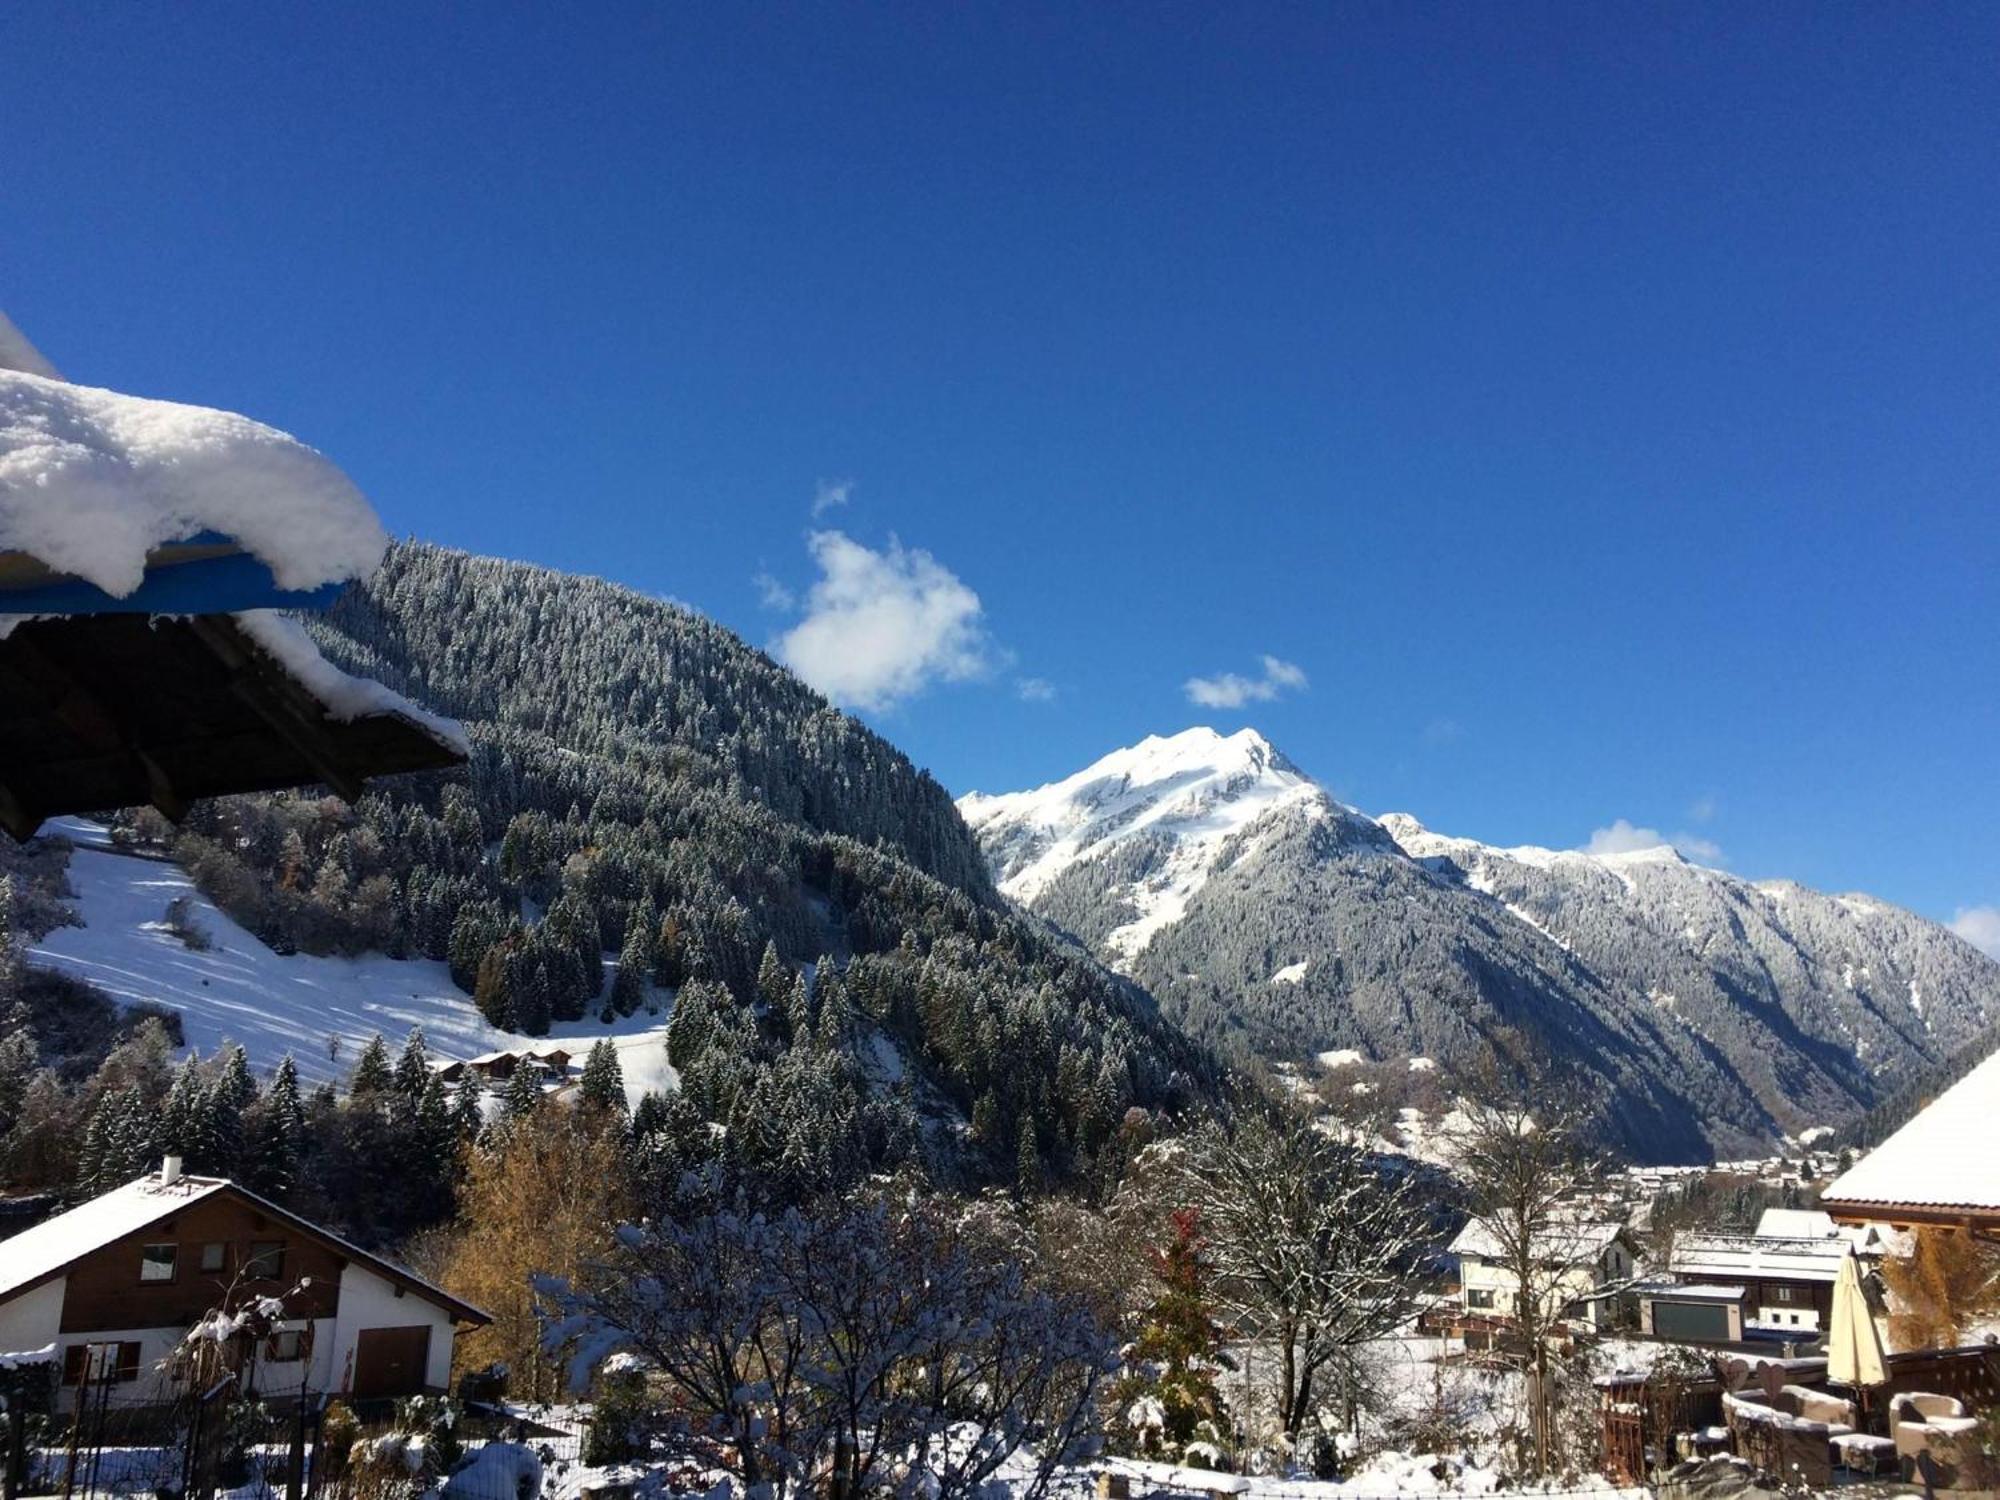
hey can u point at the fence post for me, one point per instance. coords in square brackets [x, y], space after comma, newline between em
[193, 1447]
[76, 1428]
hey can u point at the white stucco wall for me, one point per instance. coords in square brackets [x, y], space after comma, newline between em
[31, 1320]
[371, 1301]
[1786, 1319]
[1577, 1283]
[151, 1385]
[283, 1378]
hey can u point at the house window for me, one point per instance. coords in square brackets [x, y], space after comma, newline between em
[215, 1256]
[266, 1262]
[157, 1262]
[100, 1362]
[1479, 1299]
[284, 1347]
[1785, 1295]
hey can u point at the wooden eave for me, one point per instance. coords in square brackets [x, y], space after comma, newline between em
[105, 711]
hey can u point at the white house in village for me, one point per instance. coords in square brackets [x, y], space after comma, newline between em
[1592, 1256]
[109, 1290]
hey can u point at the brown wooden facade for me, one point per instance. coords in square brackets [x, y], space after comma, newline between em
[226, 1251]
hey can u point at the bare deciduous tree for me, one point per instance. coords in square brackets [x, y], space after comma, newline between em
[1314, 1243]
[1526, 1164]
[869, 1345]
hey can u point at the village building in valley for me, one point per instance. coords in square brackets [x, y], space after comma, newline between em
[1593, 1259]
[109, 1291]
[1782, 1276]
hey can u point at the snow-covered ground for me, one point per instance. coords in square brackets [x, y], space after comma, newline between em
[321, 1010]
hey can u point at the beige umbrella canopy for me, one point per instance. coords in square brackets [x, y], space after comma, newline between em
[1854, 1345]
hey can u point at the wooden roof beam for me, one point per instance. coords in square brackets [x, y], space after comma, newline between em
[279, 701]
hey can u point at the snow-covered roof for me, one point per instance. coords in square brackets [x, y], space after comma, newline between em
[92, 482]
[35, 1254]
[1795, 1224]
[1572, 1243]
[1944, 1159]
[1692, 1291]
[1759, 1257]
[52, 1246]
[144, 547]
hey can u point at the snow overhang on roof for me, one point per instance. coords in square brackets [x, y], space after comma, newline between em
[141, 545]
[1941, 1167]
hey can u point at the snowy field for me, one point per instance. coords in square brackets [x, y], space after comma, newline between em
[240, 991]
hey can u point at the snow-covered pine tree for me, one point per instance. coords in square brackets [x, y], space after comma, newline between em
[238, 1086]
[522, 1096]
[184, 1123]
[635, 958]
[19, 1057]
[602, 1087]
[373, 1077]
[279, 1139]
[413, 1067]
[468, 1107]
[1027, 1159]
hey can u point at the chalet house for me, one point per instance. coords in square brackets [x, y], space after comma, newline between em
[497, 1067]
[1592, 1256]
[113, 1286]
[1784, 1272]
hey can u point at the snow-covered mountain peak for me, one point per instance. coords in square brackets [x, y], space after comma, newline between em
[1186, 794]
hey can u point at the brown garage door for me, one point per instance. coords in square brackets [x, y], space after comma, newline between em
[391, 1361]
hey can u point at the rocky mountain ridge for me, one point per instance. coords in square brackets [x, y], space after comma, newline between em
[1269, 918]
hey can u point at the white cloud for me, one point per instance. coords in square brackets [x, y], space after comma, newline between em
[1624, 837]
[1441, 732]
[1702, 809]
[829, 494]
[1229, 690]
[882, 626]
[1034, 689]
[774, 595]
[1979, 926]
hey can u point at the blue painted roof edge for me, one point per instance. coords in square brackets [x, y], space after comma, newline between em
[211, 586]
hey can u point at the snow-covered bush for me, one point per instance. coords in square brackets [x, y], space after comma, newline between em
[498, 1471]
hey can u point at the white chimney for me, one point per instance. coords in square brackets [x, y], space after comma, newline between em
[170, 1171]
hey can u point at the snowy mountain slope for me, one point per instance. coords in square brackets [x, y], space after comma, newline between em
[1718, 1014]
[1883, 984]
[240, 990]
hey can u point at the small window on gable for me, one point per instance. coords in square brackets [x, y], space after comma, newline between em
[266, 1262]
[1478, 1298]
[158, 1262]
[215, 1256]
[284, 1347]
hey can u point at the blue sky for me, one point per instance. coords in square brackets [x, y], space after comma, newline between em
[1593, 411]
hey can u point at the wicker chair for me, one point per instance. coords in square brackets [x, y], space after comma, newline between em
[1934, 1429]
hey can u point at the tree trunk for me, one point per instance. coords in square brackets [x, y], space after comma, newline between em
[1301, 1405]
[1287, 1382]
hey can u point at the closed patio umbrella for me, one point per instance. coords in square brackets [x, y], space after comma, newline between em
[1853, 1346]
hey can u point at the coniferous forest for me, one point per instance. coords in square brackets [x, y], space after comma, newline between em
[654, 809]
